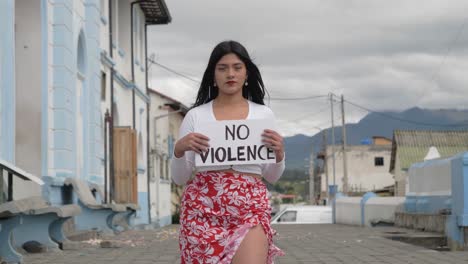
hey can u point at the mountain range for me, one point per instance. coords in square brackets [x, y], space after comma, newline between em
[299, 147]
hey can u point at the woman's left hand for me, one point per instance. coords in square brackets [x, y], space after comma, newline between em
[274, 141]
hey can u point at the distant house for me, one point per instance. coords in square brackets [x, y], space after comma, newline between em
[378, 140]
[367, 166]
[412, 146]
[166, 115]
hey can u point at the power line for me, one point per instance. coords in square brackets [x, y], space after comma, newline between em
[332, 94]
[152, 61]
[297, 98]
[173, 71]
[310, 115]
[338, 116]
[449, 49]
[406, 120]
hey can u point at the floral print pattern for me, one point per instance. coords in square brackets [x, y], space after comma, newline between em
[218, 210]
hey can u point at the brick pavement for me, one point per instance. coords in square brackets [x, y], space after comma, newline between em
[324, 244]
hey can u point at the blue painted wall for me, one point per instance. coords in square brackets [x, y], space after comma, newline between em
[365, 197]
[429, 204]
[460, 188]
[93, 98]
[166, 220]
[142, 214]
[457, 203]
[68, 30]
[457, 222]
[63, 50]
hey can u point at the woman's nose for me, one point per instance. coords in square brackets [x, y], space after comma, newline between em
[230, 72]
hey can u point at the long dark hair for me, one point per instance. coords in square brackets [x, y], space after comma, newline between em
[254, 91]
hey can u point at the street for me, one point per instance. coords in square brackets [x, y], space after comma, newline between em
[319, 244]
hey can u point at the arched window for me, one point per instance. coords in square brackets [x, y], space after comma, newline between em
[140, 151]
[102, 124]
[115, 114]
[79, 109]
[81, 54]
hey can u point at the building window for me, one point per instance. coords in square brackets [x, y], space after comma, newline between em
[378, 161]
[142, 39]
[115, 23]
[161, 167]
[167, 168]
[170, 146]
[103, 124]
[115, 114]
[103, 86]
[81, 55]
[140, 151]
[136, 34]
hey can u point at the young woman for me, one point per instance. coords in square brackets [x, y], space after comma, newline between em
[225, 213]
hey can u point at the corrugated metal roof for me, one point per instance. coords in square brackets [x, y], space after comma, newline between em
[411, 146]
[156, 12]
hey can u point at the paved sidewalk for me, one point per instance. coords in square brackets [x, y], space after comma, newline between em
[332, 244]
[324, 244]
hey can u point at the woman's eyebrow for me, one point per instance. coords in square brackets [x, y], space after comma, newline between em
[224, 65]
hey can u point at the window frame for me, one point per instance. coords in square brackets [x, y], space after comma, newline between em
[379, 161]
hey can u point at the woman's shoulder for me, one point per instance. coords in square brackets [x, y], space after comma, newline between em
[199, 109]
[261, 111]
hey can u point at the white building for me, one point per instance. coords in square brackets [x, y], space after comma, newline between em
[128, 93]
[413, 146]
[166, 115]
[368, 168]
[60, 71]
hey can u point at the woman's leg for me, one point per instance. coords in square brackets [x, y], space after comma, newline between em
[254, 247]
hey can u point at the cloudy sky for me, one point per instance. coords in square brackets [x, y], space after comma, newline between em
[383, 55]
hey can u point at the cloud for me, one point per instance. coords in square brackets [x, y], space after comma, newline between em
[384, 55]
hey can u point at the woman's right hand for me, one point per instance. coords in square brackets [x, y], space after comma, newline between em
[193, 141]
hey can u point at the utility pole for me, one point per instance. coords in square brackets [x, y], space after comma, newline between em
[312, 179]
[343, 146]
[325, 161]
[333, 139]
[335, 187]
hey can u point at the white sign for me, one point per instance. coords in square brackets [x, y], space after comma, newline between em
[235, 142]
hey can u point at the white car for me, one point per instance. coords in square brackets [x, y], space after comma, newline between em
[307, 214]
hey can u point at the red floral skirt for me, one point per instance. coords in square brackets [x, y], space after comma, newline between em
[218, 209]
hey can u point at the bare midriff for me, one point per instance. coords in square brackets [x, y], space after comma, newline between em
[258, 176]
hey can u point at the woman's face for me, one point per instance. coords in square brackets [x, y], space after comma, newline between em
[230, 74]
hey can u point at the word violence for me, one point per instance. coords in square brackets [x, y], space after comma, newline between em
[239, 153]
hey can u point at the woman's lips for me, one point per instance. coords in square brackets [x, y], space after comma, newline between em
[231, 82]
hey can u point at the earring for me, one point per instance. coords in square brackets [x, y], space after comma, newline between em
[209, 92]
[214, 84]
[246, 83]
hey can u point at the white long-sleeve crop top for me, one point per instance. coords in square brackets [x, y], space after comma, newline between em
[183, 167]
